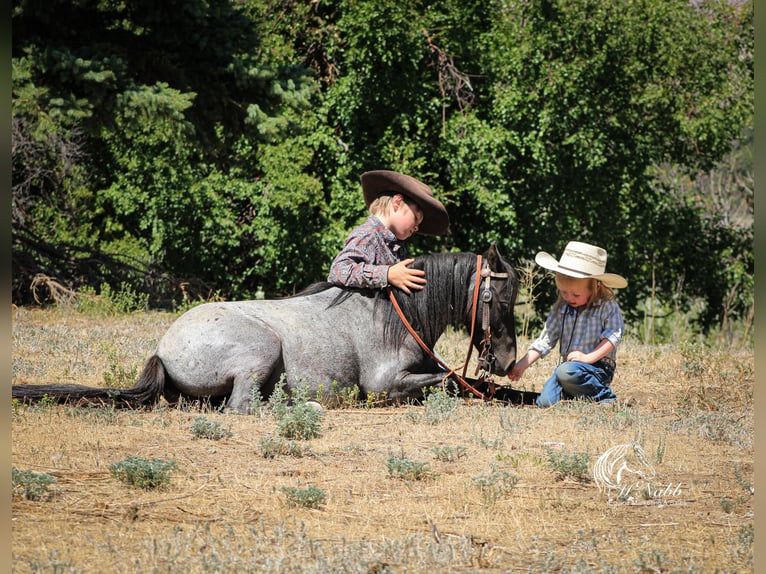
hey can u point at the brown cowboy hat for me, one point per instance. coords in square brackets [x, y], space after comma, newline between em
[384, 182]
[582, 260]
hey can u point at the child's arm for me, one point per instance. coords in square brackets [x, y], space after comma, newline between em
[523, 363]
[602, 350]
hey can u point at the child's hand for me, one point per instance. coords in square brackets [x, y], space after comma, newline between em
[404, 278]
[516, 372]
[577, 357]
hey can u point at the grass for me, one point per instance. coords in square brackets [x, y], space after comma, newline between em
[468, 487]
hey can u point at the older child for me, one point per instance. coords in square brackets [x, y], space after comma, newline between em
[374, 255]
[587, 324]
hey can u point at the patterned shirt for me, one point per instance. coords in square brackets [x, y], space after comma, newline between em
[583, 330]
[370, 250]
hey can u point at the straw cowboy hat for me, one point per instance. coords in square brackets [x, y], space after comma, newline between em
[384, 182]
[583, 261]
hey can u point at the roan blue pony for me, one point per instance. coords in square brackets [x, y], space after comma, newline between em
[325, 337]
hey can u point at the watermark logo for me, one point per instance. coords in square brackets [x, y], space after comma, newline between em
[624, 472]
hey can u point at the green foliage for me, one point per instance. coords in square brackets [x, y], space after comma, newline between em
[31, 485]
[568, 465]
[142, 473]
[440, 405]
[449, 453]
[110, 302]
[213, 430]
[272, 447]
[296, 417]
[224, 155]
[310, 497]
[403, 468]
[117, 376]
[494, 485]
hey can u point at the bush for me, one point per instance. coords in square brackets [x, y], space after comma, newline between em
[311, 497]
[296, 418]
[271, 447]
[214, 430]
[142, 473]
[574, 465]
[405, 469]
[31, 485]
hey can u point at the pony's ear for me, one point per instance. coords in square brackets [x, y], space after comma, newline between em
[493, 257]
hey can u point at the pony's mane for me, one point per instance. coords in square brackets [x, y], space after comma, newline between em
[443, 301]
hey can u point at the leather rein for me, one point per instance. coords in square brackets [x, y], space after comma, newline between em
[486, 357]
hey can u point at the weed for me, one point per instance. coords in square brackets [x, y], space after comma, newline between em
[46, 403]
[214, 430]
[297, 420]
[440, 406]
[142, 473]
[109, 302]
[659, 455]
[746, 485]
[449, 453]
[18, 408]
[405, 469]
[727, 504]
[568, 465]
[494, 485]
[344, 397]
[742, 548]
[117, 376]
[311, 497]
[257, 405]
[490, 444]
[515, 459]
[31, 485]
[271, 447]
[98, 414]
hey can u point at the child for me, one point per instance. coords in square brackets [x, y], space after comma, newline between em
[587, 324]
[374, 255]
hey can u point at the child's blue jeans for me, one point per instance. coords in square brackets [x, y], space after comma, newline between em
[573, 380]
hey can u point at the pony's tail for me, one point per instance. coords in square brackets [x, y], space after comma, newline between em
[146, 392]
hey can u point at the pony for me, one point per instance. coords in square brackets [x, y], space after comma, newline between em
[326, 337]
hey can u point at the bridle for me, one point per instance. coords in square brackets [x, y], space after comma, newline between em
[486, 357]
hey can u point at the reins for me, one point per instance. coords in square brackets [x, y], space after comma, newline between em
[485, 357]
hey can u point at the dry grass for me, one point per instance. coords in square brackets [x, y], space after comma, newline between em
[225, 509]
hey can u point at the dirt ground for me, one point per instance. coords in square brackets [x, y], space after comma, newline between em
[493, 495]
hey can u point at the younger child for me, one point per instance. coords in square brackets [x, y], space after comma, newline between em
[587, 324]
[374, 255]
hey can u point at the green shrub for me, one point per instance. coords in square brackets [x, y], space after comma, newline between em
[271, 447]
[296, 418]
[109, 302]
[494, 485]
[564, 464]
[142, 473]
[213, 430]
[311, 497]
[440, 406]
[405, 469]
[31, 485]
[449, 453]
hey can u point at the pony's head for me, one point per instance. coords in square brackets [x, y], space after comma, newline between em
[497, 298]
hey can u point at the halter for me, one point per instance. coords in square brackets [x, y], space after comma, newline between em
[486, 356]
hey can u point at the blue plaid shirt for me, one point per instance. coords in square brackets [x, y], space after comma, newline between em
[370, 250]
[583, 330]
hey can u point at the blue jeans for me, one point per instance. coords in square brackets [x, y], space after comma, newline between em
[572, 380]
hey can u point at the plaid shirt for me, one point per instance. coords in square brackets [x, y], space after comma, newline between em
[370, 250]
[583, 330]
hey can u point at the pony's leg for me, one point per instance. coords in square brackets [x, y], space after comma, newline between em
[254, 371]
[411, 385]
